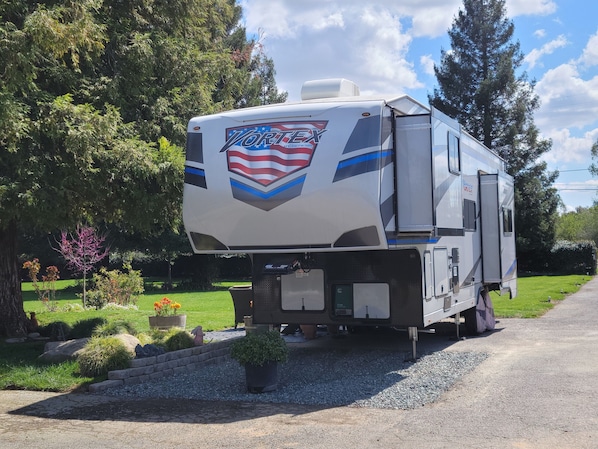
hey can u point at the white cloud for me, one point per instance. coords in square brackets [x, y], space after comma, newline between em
[589, 56]
[366, 43]
[427, 63]
[567, 99]
[530, 7]
[569, 149]
[534, 56]
[540, 33]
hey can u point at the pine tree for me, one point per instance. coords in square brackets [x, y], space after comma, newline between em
[481, 84]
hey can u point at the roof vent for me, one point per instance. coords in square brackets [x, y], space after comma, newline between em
[329, 88]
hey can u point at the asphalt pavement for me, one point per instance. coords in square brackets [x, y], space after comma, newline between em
[537, 389]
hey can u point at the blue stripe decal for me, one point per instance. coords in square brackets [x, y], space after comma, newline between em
[266, 195]
[412, 241]
[362, 164]
[267, 200]
[195, 176]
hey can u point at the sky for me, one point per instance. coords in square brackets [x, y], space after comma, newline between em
[389, 47]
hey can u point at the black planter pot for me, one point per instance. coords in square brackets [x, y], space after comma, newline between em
[261, 379]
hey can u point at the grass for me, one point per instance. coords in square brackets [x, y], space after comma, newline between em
[536, 295]
[21, 369]
[212, 310]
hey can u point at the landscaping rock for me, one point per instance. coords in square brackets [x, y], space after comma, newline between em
[129, 341]
[60, 351]
[148, 351]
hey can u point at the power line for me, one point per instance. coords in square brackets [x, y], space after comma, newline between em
[577, 169]
[589, 190]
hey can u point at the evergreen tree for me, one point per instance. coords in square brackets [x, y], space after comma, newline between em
[482, 86]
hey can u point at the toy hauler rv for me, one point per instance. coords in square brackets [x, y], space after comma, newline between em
[355, 211]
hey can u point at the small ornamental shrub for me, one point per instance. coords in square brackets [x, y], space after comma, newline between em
[85, 328]
[114, 328]
[103, 354]
[259, 348]
[115, 286]
[56, 331]
[176, 339]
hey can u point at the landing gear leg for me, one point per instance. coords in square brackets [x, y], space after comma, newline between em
[458, 324]
[413, 336]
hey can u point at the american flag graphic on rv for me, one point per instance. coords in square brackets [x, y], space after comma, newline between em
[268, 152]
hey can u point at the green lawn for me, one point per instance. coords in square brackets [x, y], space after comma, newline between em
[536, 295]
[212, 310]
[21, 369]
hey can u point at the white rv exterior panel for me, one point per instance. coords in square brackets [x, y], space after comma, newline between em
[267, 206]
[448, 203]
[414, 174]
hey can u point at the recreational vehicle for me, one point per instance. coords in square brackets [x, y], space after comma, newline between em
[355, 211]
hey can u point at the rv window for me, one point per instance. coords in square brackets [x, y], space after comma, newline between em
[469, 215]
[454, 154]
[507, 220]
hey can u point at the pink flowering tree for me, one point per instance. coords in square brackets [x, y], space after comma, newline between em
[82, 250]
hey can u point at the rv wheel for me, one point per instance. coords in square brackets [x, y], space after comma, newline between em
[471, 326]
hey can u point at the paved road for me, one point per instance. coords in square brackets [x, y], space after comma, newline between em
[538, 389]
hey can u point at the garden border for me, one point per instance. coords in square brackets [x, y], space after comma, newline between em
[167, 364]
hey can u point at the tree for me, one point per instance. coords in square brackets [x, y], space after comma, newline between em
[94, 101]
[579, 225]
[479, 85]
[82, 251]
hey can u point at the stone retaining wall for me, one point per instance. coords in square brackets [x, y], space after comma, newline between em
[168, 364]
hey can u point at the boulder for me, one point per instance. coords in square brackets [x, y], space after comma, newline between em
[60, 351]
[129, 341]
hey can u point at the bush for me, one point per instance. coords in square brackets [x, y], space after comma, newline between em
[573, 257]
[116, 287]
[173, 339]
[114, 328]
[85, 328]
[56, 330]
[103, 354]
[259, 348]
[178, 339]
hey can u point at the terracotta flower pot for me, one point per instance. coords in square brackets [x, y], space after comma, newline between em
[166, 322]
[309, 331]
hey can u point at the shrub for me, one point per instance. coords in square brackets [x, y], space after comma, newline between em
[116, 287]
[103, 354]
[573, 257]
[259, 348]
[176, 339]
[56, 330]
[114, 328]
[85, 328]
[171, 340]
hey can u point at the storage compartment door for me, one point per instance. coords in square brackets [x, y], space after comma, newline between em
[371, 301]
[302, 290]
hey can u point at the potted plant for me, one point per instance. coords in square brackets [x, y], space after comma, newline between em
[260, 353]
[167, 315]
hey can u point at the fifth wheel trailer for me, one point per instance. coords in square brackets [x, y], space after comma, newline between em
[355, 211]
